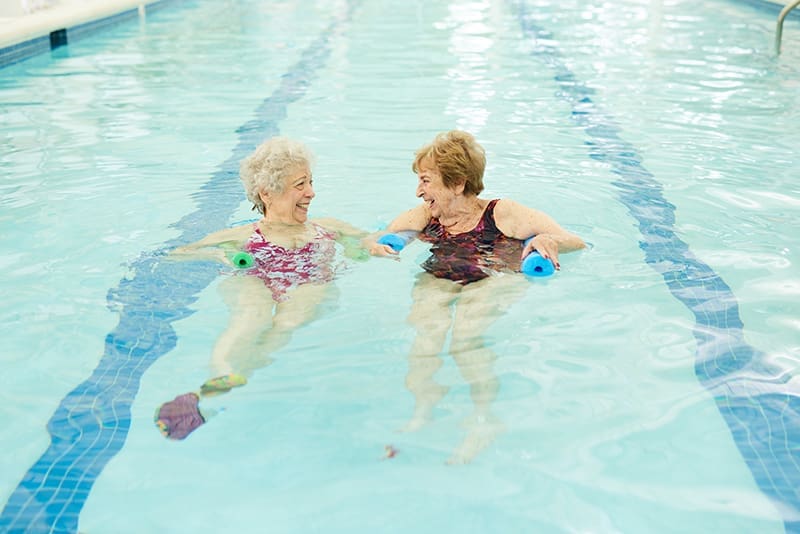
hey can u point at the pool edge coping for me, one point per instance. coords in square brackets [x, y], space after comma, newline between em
[42, 23]
[30, 35]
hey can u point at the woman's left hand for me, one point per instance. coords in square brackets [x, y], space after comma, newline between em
[378, 249]
[546, 246]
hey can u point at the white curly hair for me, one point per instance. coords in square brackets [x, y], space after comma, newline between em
[265, 170]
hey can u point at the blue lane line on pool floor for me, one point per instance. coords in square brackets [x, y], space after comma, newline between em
[763, 416]
[91, 424]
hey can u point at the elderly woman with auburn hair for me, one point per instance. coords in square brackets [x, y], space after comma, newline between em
[477, 246]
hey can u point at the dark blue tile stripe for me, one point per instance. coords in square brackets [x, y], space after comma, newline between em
[18, 52]
[760, 410]
[91, 423]
[88, 29]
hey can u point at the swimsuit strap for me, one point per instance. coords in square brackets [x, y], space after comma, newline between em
[486, 231]
[489, 224]
[322, 231]
[256, 234]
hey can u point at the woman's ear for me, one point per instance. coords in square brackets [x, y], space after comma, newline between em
[265, 198]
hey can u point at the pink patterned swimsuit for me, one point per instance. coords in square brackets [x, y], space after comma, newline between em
[283, 269]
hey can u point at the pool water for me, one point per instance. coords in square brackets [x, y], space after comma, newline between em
[650, 386]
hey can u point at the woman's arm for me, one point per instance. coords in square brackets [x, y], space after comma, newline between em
[340, 227]
[549, 238]
[348, 236]
[414, 220]
[216, 246]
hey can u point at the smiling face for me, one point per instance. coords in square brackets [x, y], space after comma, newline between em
[290, 206]
[432, 190]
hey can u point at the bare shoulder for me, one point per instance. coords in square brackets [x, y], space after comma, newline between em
[509, 211]
[414, 219]
[520, 222]
[510, 208]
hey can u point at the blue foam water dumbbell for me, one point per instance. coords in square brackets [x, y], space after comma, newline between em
[535, 264]
[396, 241]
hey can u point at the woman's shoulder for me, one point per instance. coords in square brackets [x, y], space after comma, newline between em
[507, 203]
[507, 207]
[513, 218]
[416, 218]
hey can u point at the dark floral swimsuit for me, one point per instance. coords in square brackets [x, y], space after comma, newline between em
[473, 255]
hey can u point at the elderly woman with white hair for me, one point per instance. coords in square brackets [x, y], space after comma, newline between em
[290, 263]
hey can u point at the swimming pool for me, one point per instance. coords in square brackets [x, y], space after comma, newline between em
[650, 386]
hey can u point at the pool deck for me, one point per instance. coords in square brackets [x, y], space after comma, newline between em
[24, 35]
[66, 14]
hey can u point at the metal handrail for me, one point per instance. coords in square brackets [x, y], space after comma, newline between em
[779, 30]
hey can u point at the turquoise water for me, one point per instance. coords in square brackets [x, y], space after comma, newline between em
[613, 117]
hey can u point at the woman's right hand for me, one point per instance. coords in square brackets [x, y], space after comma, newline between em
[546, 246]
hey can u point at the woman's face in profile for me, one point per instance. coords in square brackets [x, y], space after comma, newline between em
[431, 188]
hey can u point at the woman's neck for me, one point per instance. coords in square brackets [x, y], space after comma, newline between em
[287, 235]
[463, 215]
[270, 221]
[292, 228]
